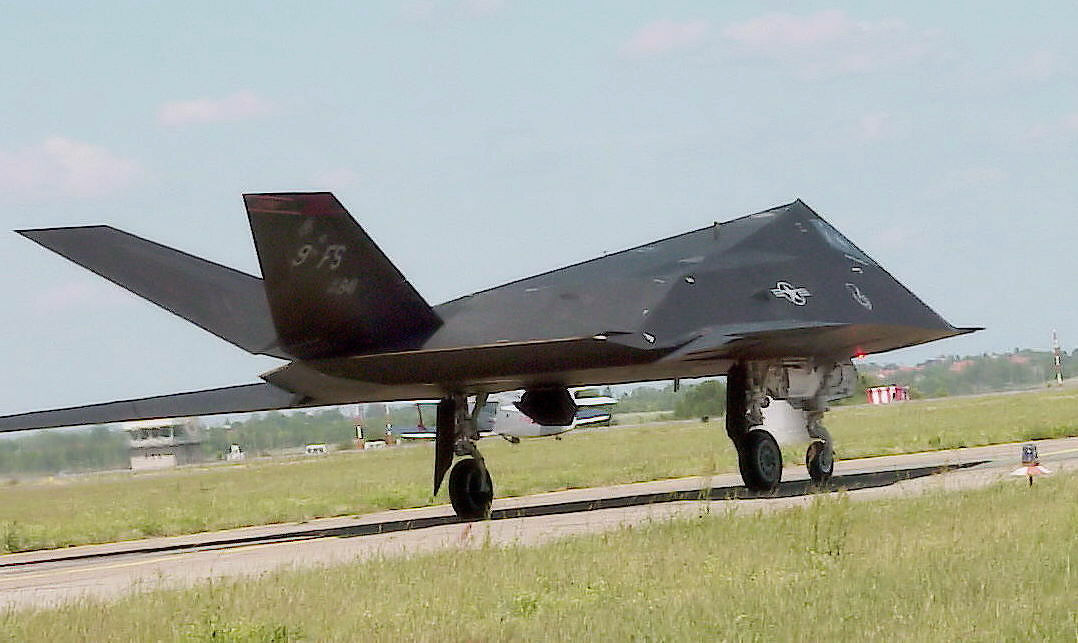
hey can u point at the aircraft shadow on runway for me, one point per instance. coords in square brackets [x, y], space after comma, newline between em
[849, 482]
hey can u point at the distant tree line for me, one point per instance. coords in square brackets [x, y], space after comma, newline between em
[103, 448]
[955, 375]
[944, 376]
[264, 432]
[70, 451]
[707, 398]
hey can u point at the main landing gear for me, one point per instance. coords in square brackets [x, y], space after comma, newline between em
[471, 489]
[760, 460]
[751, 387]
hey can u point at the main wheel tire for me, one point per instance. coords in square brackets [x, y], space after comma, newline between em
[470, 490]
[820, 461]
[760, 460]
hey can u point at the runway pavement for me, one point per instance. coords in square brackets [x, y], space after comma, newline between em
[106, 571]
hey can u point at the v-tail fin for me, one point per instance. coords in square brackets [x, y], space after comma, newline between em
[331, 290]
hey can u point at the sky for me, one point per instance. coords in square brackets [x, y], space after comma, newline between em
[480, 141]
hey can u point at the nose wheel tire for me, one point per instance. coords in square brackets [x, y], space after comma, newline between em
[470, 489]
[760, 460]
[820, 460]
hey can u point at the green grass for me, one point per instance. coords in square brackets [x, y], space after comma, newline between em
[59, 512]
[995, 564]
[642, 417]
[948, 423]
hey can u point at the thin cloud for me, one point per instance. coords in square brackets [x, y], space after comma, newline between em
[481, 8]
[976, 177]
[787, 31]
[964, 181]
[65, 167]
[419, 10]
[336, 179]
[1066, 125]
[879, 126]
[240, 106]
[438, 11]
[1039, 66]
[663, 36]
[829, 42]
[75, 295]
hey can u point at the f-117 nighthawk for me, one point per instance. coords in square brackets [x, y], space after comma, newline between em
[778, 302]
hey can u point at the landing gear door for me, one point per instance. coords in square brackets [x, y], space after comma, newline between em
[841, 382]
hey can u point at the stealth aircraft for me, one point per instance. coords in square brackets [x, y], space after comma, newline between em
[778, 301]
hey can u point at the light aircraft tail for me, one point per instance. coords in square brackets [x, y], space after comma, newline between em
[331, 290]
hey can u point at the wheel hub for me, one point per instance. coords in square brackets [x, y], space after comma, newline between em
[826, 459]
[768, 458]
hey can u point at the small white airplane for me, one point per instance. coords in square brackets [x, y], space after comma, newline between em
[507, 421]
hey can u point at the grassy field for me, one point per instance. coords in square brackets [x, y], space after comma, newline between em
[59, 512]
[928, 568]
[948, 423]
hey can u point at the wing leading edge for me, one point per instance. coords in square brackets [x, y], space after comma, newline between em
[780, 339]
[231, 399]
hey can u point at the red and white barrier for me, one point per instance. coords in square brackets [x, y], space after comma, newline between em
[887, 394]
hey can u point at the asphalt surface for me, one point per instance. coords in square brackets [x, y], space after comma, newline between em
[106, 571]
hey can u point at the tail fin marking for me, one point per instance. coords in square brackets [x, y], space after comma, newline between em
[331, 290]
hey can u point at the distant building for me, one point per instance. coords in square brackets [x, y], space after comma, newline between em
[160, 444]
[960, 366]
[887, 394]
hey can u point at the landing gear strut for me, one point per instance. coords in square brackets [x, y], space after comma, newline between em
[758, 454]
[820, 456]
[470, 487]
[807, 387]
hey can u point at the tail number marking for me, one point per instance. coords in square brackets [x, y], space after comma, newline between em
[302, 254]
[343, 286]
[331, 258]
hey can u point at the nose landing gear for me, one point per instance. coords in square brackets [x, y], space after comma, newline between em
[820, 461]
[820, 456]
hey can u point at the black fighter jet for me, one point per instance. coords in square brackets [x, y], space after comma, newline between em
[778, 301]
